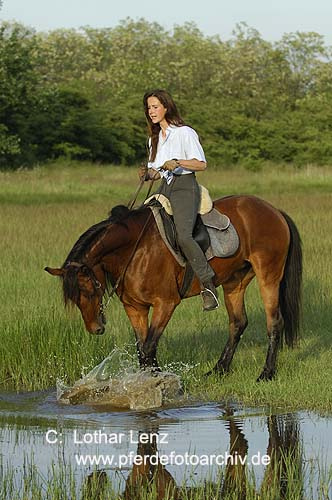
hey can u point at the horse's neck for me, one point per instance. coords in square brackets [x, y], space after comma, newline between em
[114, 247]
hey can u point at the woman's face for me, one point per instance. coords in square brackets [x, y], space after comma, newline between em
[156, 110]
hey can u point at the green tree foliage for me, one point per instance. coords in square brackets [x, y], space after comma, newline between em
[78, 93]
[17, 96]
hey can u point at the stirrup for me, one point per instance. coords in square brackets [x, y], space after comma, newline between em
[210, 300]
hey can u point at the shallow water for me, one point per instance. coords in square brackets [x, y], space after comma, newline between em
[128, 387]
[35, 427]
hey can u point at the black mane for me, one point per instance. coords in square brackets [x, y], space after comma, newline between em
[71, 289]
[85, 241]
[117, 215]
[120, 213]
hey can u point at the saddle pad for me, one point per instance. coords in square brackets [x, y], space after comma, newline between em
[206, 202]
[223, 243]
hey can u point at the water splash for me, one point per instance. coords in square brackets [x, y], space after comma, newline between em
[116, 381]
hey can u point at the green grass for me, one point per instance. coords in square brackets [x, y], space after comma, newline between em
[43, 212]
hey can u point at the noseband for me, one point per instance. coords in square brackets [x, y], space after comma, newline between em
[97, 284]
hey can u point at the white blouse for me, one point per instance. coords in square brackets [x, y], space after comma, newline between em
[181, 143]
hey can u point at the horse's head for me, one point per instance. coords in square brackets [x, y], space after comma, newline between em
[81, 287]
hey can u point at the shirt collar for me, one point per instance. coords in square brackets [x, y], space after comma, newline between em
[169, 130]
[171, 127]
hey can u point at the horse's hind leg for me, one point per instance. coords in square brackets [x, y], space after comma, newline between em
[234, 300]
[275, 323]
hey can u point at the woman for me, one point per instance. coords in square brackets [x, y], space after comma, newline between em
[175, 154]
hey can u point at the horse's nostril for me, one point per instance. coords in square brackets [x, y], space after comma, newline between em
[100, 330]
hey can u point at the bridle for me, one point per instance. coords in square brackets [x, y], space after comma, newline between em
[96, 283]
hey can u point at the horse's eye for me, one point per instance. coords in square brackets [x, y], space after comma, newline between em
[87, 294]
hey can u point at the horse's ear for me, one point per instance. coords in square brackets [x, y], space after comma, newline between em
[54, 271]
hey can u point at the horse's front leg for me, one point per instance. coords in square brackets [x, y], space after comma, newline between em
[139, 318]
[147, 337]
[162, 313]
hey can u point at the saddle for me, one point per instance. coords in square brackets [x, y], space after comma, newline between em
[213, 231]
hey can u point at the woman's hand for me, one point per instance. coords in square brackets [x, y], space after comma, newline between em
[146, 174]
[170, 165]
[153, 174]
[143, 172]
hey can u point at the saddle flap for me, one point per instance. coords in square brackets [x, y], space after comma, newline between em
[216, 220]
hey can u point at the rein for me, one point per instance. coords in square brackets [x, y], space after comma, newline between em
[97, 284]
[134, 198]
[122, 275]
[130, 206]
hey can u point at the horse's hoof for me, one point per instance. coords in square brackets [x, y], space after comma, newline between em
[154, 370]
[215, 371]
[265, 377]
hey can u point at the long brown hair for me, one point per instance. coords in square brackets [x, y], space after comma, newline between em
[172, 117]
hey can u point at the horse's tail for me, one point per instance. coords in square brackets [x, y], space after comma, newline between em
[290, 291]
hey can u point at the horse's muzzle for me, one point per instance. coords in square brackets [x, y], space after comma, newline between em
[95, 328]
[99, 330]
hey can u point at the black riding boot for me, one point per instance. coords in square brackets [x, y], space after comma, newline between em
[210, 296]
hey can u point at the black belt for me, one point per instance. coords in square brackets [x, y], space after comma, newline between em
[179, 175]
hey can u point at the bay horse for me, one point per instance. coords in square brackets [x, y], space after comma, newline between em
[125, 253]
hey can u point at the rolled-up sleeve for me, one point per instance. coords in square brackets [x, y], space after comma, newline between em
[192, 146]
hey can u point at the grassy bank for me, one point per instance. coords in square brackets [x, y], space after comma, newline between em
[42, 213]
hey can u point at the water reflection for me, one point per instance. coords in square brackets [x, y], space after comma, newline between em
[208, 450]
[283, 474]
[286, 452]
